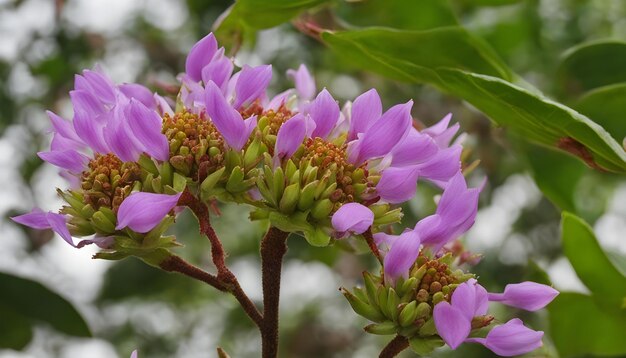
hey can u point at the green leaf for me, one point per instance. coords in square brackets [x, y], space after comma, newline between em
[15, 330]
[396, 54]
[590, 262]
[578, 326]
[607, 106]
[400, 14]
[34, 301]
[592, 65]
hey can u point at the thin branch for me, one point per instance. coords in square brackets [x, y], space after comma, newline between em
[372, 245]
[177, 264]
[224, 275]
[273, 249]
[394, 347]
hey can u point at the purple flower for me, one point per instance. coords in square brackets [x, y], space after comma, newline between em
[70, 160]
[291, 134]
[416, 148]
[529, 296]
[145, 124]
[366, 109]
[455, 214]
[511, 339]
[441, 134]
[305, 83]
[142, 212]
[133, 354]
[251, 84]
[384, 134]
[324, 111]
[40, 220]
[228, 121]
[199, 56]
[352, 217]
[218, 70]
[454, 320]
[402, 255]
[398, 185]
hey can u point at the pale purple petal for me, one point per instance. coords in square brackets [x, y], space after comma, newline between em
[142, 212]
[324, 110]
[482, 301]
[402, 255]
[227, 120]
[352, 217]
[40, 220]
[191, 94]
[251, 84]
[512, 339]
[441, 134]
[384, 241]
[366, 109]
[452, 324]
[133, 354]
[163, 106]
[464, 299]
[146, 126]
[416, 148]
[119, 137]
[90, 131]
[199, 56]
[62, 126]
[218, 70]
[138, 92]
[385, 133]
[290, 136]
[529, 296]
[102, 87]
[66, 159]
[305, 83]
[398, 185]
[280, 99]
[443, 165]
[61, 143]
[86, 102]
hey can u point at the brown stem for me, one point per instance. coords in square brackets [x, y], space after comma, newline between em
[224, 275]
[372, 245]
[273, 248]
[177, 264]
[394, 347]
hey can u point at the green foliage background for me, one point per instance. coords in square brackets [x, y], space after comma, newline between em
[539, 86]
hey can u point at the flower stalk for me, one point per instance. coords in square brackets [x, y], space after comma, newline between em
[394, 347]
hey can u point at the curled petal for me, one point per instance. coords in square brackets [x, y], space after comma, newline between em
[218, 70]
[452, 324]
[61, 143]
[191, 93]
[416, 148]
[529, 296]
[398, 185]
[324, 110]
[441, 134]
[402, 255]
[146, 126]
[280, 99]
[511, 339]
[471, 299]
[305, 83]
[251, 84]
[40, 220]
[143, 211]
[138, 92]
[118, 136]
[90, 132]
[352, 217]
[384, 241]
[86, 102]
[290, 136]
[443, 165]
[162, 105]
[199, 56]
[227, 120]
[66, 159]
[366, 109]
[102, 87]
[62, 126]
[385, 133]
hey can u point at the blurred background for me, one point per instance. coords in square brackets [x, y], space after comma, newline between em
[128, 305]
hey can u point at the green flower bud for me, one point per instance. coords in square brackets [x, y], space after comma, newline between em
[235, 184]
[307, 196]
[362, 308]
[408, 314]
[381, 328]
[290, 198]
[322, 209]
[101, 223]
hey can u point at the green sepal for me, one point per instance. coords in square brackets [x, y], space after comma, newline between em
[179, 182]
[390, 217]
[147, 164]
[278, 184]
[383, 295]
[425, 346]
[408, 314]
[322, 209]
[235, 183]
[392, 304]
[317, 237]
[252, 155]
[207, 185]
[362, 308]
[307, 196]
[101, 223]
[386, 328]
[371, 287]
[153, 237]
[259, 214]
[290, 223]
[265, 191]
[428, 328]
[290, 198]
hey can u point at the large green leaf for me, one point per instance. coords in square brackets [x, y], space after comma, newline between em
[593, 65]
[590, 262]
[15, 330]
[578, 326]
[607, 106]
[36, 302]
[400, 14]
[421, 57]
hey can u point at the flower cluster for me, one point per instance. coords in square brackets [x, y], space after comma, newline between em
[304, 163]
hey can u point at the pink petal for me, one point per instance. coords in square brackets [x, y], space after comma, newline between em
[139, 93]
[143, 211]
[251, 84]
[227, 120]
[416, 148]
[352, 217]
[146, 127]
[513, 338]
[218, 70]
[199, 56]
[290, 136]
[402, 255]
[40, 220]
[366, 109]
[305, 83]
[398, 185]
[324, 110]
[452, 324]
[529, 296]
[66, 159]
